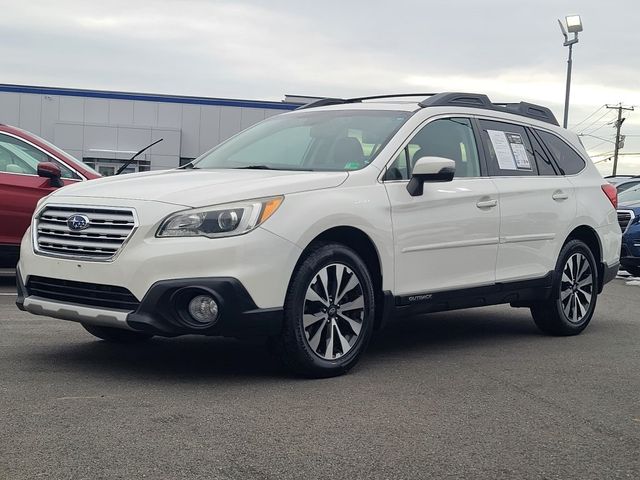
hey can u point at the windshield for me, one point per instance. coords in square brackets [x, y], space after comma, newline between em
[322, 140]
[630, 195]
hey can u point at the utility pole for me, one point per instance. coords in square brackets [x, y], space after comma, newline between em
[574, 25]
[619, 138]
[568, 87]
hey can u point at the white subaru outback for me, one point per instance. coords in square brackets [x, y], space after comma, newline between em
[316, 227]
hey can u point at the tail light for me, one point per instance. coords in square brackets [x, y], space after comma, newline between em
[612, 194]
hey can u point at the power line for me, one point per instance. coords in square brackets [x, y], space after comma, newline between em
[581, 122]
[600, 127]
[595, 136]
[595, 121]
[598, 144]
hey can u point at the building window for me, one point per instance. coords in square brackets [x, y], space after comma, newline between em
[109, 166]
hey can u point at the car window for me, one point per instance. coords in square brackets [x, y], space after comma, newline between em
[565, 156]
[451, 138]
[626, 186]
[286, 147]
[630, 195]
[546, 165]
[508, 150]
[400, 167]
[17, 156]
[336, 140]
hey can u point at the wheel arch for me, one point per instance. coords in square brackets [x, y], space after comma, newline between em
[590, 237]
[356, 239]
[363, 245]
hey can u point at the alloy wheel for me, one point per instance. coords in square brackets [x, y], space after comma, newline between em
[333, 313]
[576, 288]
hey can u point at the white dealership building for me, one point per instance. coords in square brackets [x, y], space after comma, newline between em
[103, 128]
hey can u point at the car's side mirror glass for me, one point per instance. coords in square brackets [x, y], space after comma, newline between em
[51, 171]
[430, 169]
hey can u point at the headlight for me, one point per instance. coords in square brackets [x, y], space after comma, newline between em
[220, 220]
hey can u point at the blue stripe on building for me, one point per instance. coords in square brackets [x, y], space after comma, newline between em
[75, 92]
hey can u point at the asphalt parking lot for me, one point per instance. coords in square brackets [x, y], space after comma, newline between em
[472, 394]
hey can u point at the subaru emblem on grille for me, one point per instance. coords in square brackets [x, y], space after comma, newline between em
[78, 222]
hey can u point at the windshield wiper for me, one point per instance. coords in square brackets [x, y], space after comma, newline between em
[256, 167]
[128, 162]
[267, 167]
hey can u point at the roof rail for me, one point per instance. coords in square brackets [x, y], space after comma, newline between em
[395, 95]
[478, 100]
[339, 101]
[530, 110]
[453, 99]
[323, 102]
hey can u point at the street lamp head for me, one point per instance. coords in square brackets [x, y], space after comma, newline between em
[574, 24]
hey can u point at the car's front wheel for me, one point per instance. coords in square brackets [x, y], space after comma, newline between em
[575, 290]
[116, 335]
[329, 312]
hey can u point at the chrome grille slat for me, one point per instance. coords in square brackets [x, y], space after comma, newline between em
[98, 217]
[108, 235]
[80, 243]
[70, 250]
[109, 228]
[97, 224]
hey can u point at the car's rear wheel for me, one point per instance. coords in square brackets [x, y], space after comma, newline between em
[575, 290]
[116, 335]
[328, 314]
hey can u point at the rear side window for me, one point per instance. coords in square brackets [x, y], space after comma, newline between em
[546, 165]
[507, 148]
[566, 157]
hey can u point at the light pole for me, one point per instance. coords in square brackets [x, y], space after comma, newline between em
[574, 25]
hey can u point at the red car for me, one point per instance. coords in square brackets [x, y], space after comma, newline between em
[30, 168]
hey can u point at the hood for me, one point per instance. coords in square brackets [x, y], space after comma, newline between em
[200, 188]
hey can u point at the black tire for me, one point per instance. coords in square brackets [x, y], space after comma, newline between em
[556, 316]
[116, 335]
[634, 271]
[294, 346]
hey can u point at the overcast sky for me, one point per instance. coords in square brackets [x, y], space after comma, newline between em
[511, 50]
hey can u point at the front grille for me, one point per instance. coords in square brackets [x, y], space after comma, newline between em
[81, 293]
[624, 217]
[107, 231]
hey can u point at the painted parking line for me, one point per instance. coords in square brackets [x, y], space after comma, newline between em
[8, 294]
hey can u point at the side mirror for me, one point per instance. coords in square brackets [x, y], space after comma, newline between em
[430, 169]
[51, 171]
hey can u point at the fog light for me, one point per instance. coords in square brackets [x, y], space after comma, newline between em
[203, 309]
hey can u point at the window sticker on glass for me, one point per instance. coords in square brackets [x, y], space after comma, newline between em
[519, 151]
[503, 152]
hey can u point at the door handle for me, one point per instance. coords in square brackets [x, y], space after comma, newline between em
[559, 195]
[487, 203]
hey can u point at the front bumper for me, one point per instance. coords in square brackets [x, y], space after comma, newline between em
[630, 251]
[262, 261]
[159, 312]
